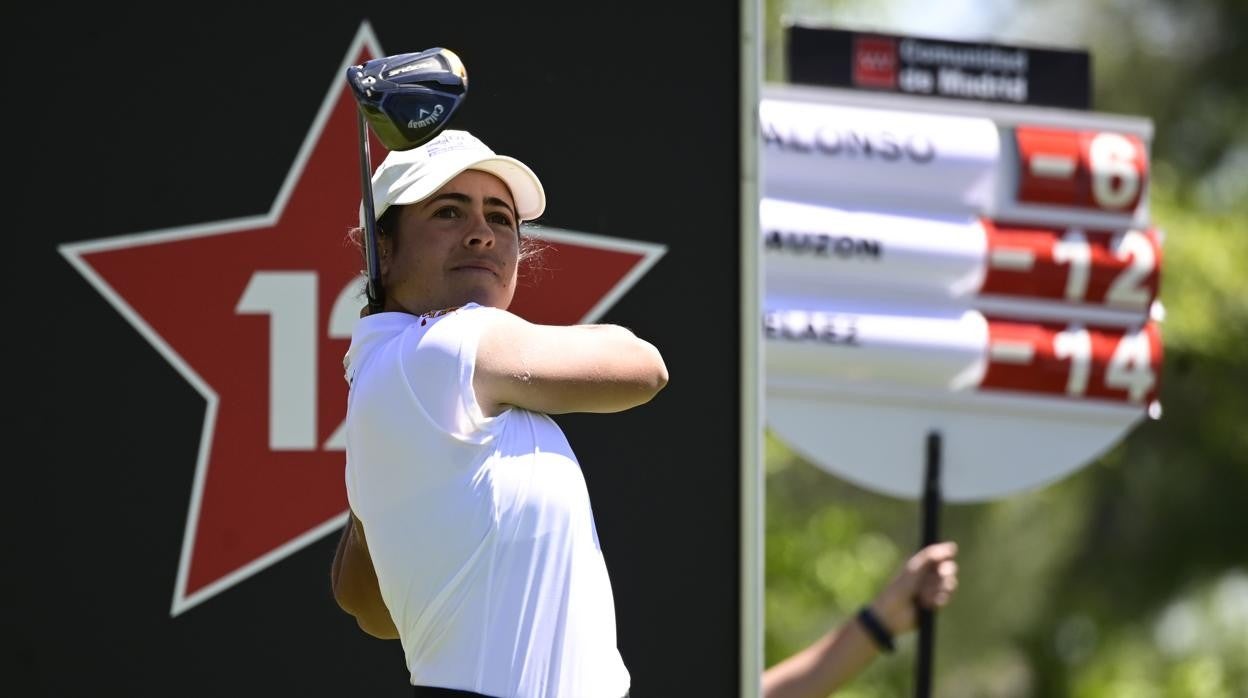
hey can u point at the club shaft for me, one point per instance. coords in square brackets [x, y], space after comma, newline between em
[370, 219]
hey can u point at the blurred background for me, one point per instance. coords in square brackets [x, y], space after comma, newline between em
[1129, 577]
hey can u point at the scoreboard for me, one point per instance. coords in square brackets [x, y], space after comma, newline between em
[984, 270]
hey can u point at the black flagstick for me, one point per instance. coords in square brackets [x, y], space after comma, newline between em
[931, 530]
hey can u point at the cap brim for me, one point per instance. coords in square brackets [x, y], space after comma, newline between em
[526, 188]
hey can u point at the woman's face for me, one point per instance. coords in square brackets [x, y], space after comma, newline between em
[459, 245]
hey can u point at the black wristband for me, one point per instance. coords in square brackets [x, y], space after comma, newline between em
[879, 634]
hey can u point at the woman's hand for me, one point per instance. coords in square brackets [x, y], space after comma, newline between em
[928, 578]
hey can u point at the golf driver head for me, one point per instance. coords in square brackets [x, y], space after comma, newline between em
[408, 98]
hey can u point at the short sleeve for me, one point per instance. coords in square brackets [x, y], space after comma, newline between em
[439, 360]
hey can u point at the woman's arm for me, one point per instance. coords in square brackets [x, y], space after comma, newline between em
[821, 667]
[928, 577]
[355, 583]
[557, 369]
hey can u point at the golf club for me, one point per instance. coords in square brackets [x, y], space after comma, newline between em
[407, 99]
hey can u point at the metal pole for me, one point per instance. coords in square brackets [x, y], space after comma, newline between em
[929, 535]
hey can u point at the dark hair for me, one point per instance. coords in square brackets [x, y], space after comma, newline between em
[532, 249]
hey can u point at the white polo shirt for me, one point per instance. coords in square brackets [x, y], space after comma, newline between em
[480, 529]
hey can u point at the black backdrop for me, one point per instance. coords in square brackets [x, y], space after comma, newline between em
[123, 120]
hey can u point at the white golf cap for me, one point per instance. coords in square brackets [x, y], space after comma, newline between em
[409, 176]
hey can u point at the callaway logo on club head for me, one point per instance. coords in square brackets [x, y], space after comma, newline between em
[427, 117]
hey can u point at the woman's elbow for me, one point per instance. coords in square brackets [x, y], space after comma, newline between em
[655, 377]
[659, 381]
[644, 376]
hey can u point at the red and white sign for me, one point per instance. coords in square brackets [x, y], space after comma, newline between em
[1114, 269]
[835, 343]
[1001, 290]
[1098, 170]
[1018, 404]
[1094, 275]
[1075, 361]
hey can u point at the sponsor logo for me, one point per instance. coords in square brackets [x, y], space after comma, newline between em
[875, 62]
[914, 51]
[971, 72]
[960, 83]
[426, 117]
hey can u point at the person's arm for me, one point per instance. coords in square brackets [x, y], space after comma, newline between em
[929, 577]
[355, 583]
[558, 369]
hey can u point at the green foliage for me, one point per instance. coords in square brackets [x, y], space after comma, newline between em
[1194, 647]
[1181, 63]
[1203, 277]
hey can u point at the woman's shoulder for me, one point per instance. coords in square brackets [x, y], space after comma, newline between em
[468, 311]
[470, 319]
[435, 314]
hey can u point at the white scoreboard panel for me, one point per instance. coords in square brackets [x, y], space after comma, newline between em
[982, 270]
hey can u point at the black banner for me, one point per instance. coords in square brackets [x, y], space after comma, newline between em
[939, 68]
[169, 161]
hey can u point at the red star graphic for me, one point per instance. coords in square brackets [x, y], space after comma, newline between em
[257, 314]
